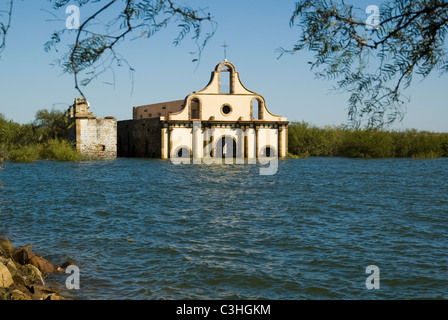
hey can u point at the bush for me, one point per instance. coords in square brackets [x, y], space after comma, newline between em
[60, 150]
[25, 154]
[366, 144]
[305, 140]
[297, 143]
[15, 134]
[3, 156]
[426, 155]
[444, 144]
[45, 138]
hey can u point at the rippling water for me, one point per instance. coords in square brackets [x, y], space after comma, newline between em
[148, 229]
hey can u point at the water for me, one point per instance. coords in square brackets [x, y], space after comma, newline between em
[147, 229]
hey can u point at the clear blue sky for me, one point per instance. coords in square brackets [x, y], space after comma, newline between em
[253, 29]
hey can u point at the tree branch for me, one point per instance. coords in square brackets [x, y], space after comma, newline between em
[76, 46]
[410, 39]
[5, 28]
[146, 16]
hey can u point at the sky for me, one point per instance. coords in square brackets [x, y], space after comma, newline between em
[254, 30]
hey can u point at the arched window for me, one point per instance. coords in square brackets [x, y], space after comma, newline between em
[194, 108]
[257, 113]
[225, 81]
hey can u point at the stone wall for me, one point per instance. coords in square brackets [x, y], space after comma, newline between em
[97, 137]
[94, 137]
[140, 138]
[157, 110]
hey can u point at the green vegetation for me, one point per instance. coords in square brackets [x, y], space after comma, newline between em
[60, 150]
[28, 153]
[2, 157]
[305, 140]
[45, 138]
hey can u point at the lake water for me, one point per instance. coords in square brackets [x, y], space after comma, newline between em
[148, 229]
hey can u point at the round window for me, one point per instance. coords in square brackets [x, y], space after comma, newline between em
[226, 109]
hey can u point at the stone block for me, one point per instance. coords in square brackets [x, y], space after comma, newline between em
[5, 277]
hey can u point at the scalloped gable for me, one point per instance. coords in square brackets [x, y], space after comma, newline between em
[236, 86]
[209, 103]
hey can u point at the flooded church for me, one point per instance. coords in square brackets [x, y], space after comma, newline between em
[222, 120]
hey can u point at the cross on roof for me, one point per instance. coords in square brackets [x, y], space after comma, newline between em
[225, 46]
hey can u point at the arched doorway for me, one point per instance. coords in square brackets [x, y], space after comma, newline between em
[183, 152]
[226, 148]
[268, 152]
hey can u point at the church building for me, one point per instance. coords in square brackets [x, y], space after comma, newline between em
[220, 121]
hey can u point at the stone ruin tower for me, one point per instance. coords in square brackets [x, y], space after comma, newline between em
[94, 137]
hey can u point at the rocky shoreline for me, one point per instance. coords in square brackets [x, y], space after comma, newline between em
[22, 274]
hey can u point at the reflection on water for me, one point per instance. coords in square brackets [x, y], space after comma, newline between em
[148, 229]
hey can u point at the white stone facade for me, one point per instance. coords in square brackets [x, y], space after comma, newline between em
[220, 120]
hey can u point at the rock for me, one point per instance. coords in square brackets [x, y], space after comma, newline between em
[5, 294]
[68, 262]
[18, 280]
[15, 273]
[4, 260]
[25, 255]
[19, 295]
[6, 247]
[20, 287]
[11, 266]
[21, 274]
[55, 296]
[31, 274]
[5, 277]
[58, 269]
[22, 255]
[40, 263]
[42, 293]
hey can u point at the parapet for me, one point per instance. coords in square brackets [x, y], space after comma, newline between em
[80, 109]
